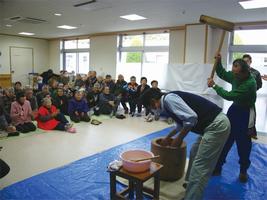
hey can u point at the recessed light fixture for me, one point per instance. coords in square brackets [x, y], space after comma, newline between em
[57, 14]
[26, 33]
[133, 17]
[253, 4]
[67, 27]
[8, 25]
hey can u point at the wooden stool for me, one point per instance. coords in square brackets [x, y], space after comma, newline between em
[135, 182]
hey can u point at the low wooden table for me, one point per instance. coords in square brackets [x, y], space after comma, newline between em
[135, 183]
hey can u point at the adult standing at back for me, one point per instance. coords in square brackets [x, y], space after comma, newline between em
[243, 95]
[257, 76]
[255, 73]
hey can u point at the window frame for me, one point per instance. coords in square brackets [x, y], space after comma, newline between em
[244, 48]
[77, 50]
[142, 49]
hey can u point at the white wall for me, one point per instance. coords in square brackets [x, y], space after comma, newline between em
[103, 51]
[40, 52]
[103, 54]
[176, 48]
[214, 37]
[54, 55]
[195, 43]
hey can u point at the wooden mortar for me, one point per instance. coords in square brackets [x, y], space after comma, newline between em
[173, 160]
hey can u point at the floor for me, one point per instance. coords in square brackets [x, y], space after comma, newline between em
[37, 153]
[32, 154]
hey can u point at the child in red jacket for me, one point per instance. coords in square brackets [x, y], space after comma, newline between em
[50, 118]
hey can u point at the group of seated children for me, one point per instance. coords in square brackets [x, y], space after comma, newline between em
[54, 96]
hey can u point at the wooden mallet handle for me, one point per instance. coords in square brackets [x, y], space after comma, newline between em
[219, 50]
[143, 159]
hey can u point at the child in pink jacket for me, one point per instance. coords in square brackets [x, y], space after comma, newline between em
[21, 114]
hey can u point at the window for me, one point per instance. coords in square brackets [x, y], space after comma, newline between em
[143, 55]
[132, 41]
[70, 62]
[157, 39]
[84, 44]
[83, 63]
[250, 37]
[254, 43]
[71, 44]
[75, 55]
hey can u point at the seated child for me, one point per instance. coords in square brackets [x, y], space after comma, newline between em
[108, 103]
[79, 81]
[21, 114]
[141, 89]
[92, 96]
[121, 93]
[5, 128]
[53, 84]
[78, 108]
[32, 99]
[154, 84]
[149, 117]
[61, 101]
[18, 87]
[6, 101]
[50, 118]
[108, 82]
[131, 89]
[42, 94]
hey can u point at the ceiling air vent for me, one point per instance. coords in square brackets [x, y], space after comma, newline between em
[93, 5]
[15, 18]
[28, 20]
[85, 3]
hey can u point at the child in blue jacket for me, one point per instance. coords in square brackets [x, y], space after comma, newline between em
[78, 108]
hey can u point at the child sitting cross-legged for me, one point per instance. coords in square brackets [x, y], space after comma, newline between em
[21, 114]
[78, 108]
[108, 104]
[60, 100]
[50, 118]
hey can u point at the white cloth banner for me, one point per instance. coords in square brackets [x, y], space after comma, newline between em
[191, 77]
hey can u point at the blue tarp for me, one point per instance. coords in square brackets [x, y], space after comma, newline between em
[87, 178]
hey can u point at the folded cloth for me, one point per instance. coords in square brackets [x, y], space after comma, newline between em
[115, 165]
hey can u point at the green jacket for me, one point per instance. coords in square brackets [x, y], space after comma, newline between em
[243, 92]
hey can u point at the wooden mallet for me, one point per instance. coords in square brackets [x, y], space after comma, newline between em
[219, 23]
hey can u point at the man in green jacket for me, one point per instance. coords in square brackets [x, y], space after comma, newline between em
[243, 95]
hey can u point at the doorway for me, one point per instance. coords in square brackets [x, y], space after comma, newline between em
[21, 64]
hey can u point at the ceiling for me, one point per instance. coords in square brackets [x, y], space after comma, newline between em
[103, 16]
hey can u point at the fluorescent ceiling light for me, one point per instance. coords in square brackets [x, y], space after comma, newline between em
[133, 17]
[8, 25]
[67, 27]
[26, 33]
[57, 14]
[253, 4]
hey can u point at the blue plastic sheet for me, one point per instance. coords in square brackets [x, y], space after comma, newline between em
[88, 179]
